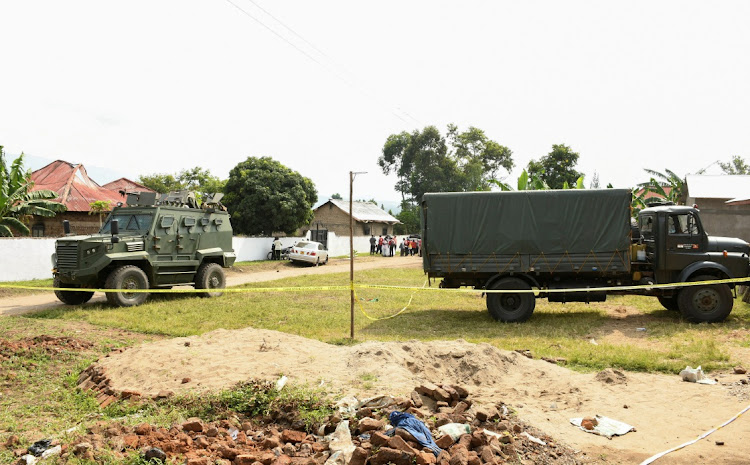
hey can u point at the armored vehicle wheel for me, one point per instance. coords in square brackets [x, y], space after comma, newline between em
[511, 307]
[708, 303]
[71, 297]
[210, 276]
[126, 277]
[670, 303]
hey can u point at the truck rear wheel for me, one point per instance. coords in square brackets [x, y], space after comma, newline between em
[126, 277]
[707, 303]
[210, 276]
[71, 297]
[670, 303]
[511, 307]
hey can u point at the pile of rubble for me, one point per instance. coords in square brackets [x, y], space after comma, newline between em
[50, 345]
[468, 434]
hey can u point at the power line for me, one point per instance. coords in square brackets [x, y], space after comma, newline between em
[315, 60]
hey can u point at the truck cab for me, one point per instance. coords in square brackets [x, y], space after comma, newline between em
[678, 246]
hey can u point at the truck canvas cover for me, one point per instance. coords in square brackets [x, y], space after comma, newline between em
[538, 227]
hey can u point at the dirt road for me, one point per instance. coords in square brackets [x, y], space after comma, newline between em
[235, 277]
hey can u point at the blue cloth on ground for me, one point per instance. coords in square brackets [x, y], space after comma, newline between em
[416, 428]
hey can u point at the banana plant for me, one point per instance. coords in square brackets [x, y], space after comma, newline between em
[18, 200]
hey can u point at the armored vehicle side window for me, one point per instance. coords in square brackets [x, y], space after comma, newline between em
[167, 221]
[138, 223]
[188, 221]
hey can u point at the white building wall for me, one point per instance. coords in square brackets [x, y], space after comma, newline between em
[27, 258]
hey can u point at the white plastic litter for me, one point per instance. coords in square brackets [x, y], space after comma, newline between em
[233, 432]
[50, 452]
[606, 427]
[340, 444]
[281, 383]
[533, 439]
[455, 430]
[695, 375]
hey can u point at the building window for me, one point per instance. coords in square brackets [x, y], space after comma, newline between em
[37, 230]
[385, 231]
[366, 229]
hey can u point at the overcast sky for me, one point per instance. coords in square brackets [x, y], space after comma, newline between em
[140, 87]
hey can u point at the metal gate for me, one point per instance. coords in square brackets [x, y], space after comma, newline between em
[320, 235]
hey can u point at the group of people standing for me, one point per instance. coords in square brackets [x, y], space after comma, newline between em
[386, 246]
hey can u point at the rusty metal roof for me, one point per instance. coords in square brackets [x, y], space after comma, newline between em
[127, 185]
[74, 187]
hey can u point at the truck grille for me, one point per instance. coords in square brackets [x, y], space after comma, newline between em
[67, 255]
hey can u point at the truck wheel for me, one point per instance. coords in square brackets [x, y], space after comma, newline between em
[126, 277]
[670, 303]
[71, 297]
[210, 276]
[511, 307]
[708, 303]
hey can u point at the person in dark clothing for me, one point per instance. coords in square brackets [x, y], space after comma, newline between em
[372, 244]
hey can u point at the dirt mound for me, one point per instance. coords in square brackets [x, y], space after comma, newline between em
[610, 376]
[545, 395]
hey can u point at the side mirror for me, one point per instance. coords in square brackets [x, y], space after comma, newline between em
[66, 227]
[115, 228]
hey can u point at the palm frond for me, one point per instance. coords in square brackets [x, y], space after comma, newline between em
[15, 223]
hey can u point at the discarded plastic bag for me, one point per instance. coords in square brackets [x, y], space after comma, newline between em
[455, 430]
[416, 428]
[695, 375]
[38, 448]
[340, 444]
[606, 427]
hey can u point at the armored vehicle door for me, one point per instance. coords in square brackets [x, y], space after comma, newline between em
[165, 236]
[187, 236]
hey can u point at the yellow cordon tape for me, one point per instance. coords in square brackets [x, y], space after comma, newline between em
[534, 290]
[362, 309]
[681, 446]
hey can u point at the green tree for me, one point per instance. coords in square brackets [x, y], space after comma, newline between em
[427, 161]
[668, 185]
[17, 200]
[409, 218]
[100, 207]
[337, 196]
[194, 179]
[736, 166]
[557, 167]
[263, 196]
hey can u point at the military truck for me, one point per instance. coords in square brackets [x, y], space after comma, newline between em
[154, 241]
[551, 241]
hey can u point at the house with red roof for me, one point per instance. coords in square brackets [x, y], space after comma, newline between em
[76, 191]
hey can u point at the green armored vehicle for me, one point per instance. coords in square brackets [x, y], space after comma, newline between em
[155, 241]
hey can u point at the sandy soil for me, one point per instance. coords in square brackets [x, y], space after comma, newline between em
[37, 302]
[664, 410]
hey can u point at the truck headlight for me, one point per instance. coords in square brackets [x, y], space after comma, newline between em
[54, 260]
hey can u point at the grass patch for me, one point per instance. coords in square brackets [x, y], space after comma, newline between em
[8, 292]
[555, 330]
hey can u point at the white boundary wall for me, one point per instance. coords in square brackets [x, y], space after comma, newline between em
[26, 258]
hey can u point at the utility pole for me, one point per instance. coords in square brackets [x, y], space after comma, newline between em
[351, 247]
[351, 252]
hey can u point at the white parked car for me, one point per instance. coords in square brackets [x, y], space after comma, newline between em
[310, 252]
